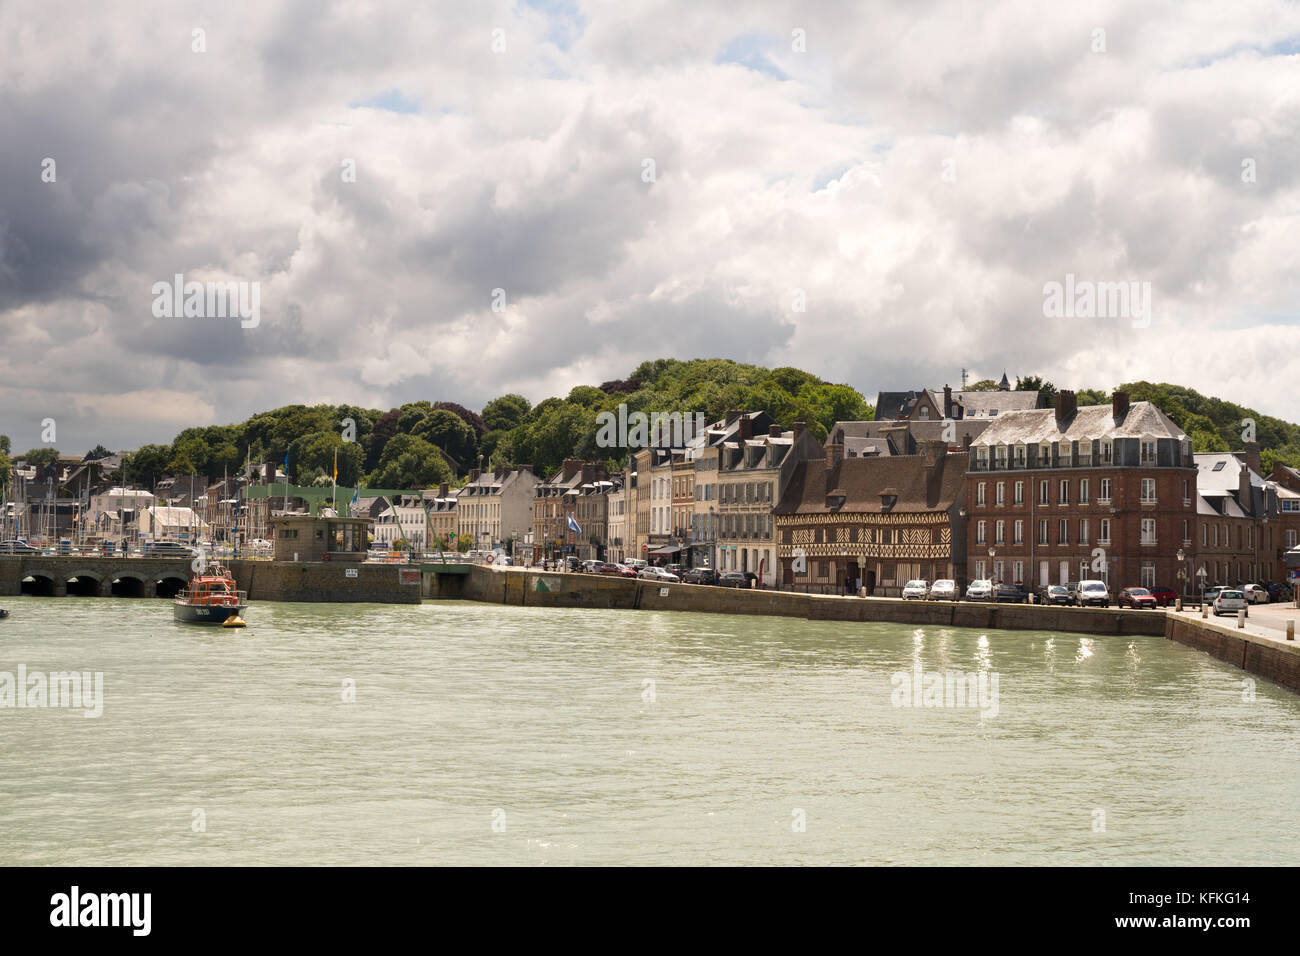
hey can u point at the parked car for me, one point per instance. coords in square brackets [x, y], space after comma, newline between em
[590, 565]
[16, 546]
[658, 574]
[636, 564]
[1092, 593]
[1137, 598]
[1211, 593]
[167, 549]
[944, 589]
[676, 569]
[1011, 594]
[1254, 593]
[1279, 592]
[700, 576]
[1054, 594]
[981, 590]
[1165, 597]
[736, 579]
[1229, 601]
[916, 590]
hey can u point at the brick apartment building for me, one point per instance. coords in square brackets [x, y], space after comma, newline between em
[1104, 491]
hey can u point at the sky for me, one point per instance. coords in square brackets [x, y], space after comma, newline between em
[451, 201]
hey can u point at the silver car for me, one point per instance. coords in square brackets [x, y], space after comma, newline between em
[980, 590]
[943, 590]
[915, 590]
[1229, 601]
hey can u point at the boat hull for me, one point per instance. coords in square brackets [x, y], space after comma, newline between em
[206, 614]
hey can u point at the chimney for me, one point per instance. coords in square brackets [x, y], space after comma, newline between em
[745, 426]
[442, 490]
[1119, 405]
[1067, 403]
[947, 401]
[588, 472]
[773, 431]
[934, 454]
[473, 474]
[798, 429]
[1252, 457]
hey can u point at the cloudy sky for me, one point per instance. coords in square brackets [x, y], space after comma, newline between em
[641, 180]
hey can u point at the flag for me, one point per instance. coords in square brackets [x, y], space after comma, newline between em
[336, 464]
[356, 495]
[286, 464]
[573, 526]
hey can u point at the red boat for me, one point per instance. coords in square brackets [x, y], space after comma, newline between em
[211, 598]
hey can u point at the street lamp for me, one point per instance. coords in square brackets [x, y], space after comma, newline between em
[1182, 571]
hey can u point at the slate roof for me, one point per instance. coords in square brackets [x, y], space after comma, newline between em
[862, 482]
[1143, 420]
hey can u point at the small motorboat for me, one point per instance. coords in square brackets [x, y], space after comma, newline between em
[3, 614]
[211, 598]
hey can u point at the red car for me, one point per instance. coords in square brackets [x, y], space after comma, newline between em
[1165, 597]
[1137, 598]
[617, 569]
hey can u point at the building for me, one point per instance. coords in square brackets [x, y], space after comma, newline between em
[578, 491]
[1103, 491]
[440, 511]
[616, 528]
[496, 507]
[304, 537]
[115, 513]
[753, 470]
[164, 523]
[873, 522]
[704, 513]
[1238, 517]
[404, 523]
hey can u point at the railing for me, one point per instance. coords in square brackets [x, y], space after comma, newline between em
[184, 597]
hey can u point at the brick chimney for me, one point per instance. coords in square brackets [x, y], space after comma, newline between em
[1067, 403]
[1252, 457]
[947, 401]
[442, 490]
[773, 431]
[933, 453]
[1244, 496]
[1119, 405]
[799, 428]
[473, 474]
[569, 468]
[745, 427]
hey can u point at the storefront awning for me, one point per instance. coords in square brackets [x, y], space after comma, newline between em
[666, 549]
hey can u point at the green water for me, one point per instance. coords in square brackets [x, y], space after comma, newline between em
[483, 734]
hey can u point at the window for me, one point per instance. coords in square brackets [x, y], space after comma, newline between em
[1083, 531]
[1105, 455]
[979, 569]
[1019, 532]
[1186, 540]
[1063, 531]
[1104, 497]
[1148, 530]
[1148, 452]
[925, 412]
[1019, 568]
[1020, 456]
[979, 494]
[1002, 493]
[1002, 456]
[1204, 535]
[1290, 539]
[1020, 493]
[982, 457]
[1063, 492]
[980, 534]
[1148, 574]
[1103, 532]
[1083, 491]
[1148, 491]
[1042, 531]
[1001, 532]
[1042, 492]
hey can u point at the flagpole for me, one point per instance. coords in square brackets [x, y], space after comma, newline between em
[334, 499]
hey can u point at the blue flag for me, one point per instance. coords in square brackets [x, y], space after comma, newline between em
[573, 526]
[356, 495]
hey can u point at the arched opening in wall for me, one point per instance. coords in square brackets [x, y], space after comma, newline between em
[127, 587]
[38, 585]
[170, 587]
[83, 586]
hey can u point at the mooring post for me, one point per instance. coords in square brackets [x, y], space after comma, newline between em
[1290, 629]
[1241, 618]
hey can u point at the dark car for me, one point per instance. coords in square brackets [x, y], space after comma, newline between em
[16, 547]
[1054, 594]
[1211, 593]
[700, 576]
[167, 549]
[1137, 598]
[736, 579]
[1011, 593]
[1278, 592]
[1165, 597]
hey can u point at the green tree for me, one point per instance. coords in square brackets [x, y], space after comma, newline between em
[410, 463]
[5, 445]
[452, 434]
[41, 457]
[506, 412]
[146, 464]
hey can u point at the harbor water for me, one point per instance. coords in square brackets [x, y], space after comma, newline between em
[464, 733]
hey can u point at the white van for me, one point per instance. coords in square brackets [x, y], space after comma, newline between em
[1092, 592]
[636, 564]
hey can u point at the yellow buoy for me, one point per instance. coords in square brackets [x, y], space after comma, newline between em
[233, 621]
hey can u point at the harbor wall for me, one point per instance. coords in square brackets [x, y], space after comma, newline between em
[327, 581]
[1274, 660]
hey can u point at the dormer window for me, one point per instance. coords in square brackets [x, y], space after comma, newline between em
[1105, 451]
[887, 502]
